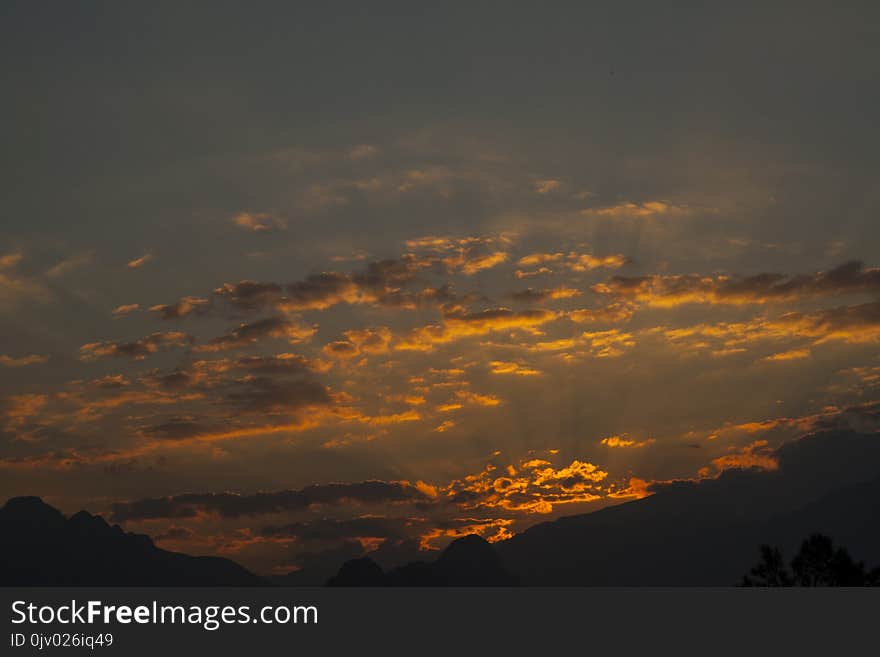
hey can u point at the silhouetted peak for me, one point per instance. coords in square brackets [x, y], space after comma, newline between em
[31, 513]
[42, 548]
[84, 523]
[469, 549]
[358, 572]
[472, 561]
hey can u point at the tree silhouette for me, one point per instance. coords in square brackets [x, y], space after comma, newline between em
[770, 571]
[818, 563]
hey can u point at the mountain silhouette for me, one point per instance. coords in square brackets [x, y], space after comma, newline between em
[697, 533]
[467, 561]
[706, 533]
[40, 547]
[688, 533]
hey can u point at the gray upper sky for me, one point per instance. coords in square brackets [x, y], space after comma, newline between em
[156, 152]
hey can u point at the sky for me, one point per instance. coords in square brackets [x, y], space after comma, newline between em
[278, 281]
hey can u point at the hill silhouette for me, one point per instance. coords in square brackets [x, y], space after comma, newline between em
[696, 533]
[40, 547]
[467, 561]
[706, 533]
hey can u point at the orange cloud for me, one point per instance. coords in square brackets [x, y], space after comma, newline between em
[22, 407]
[479, 263]
[573, 261]
[506, 367]
[246, 334]
[138, 349]
[646, 209]
[22, 361]
[674, 290]
[757, 454]
[459, 324]
[257, 222]
[479, 400]
[546, 186]
[139, 262]
[623, 442]
[613, 313]
[126, 309]
[793, 354]
[536, 296]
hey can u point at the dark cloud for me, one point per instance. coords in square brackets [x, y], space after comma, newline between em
[176, 380]
[273, 396]
[231, 505]
[277, 364]
[663, 290]
[377, 283]
[349, 528]
[532, 295]
[246, 334]
[137, 349]
[175, 534]
[182, 308]
[249, 296]
[176, 429]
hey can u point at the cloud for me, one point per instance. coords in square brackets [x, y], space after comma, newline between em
[176, 429]
[622, 442]
[613, 313]
[363, 152]
[757, 454]
[646, 209]
[477, 399]
[379, 283]
[208, 375]
[15, 288]
[585, 262]
[258, 222]
[182, 308]
[479, 263]
[360, 341]
[445, 426]
[546, 186]
[175, 533]
[69, 264]
[541, 271]
[137, 349]
[111, 381]
[792, 354]
[507, 367]
[19, 408]
[231, 505]
[268, 396]
[327, 529]
[10, 260]
[22, 361]
[341, 349]
[531, 486]
[139, 262]
[859, 324]
[674, 290]
[598, 344]
[249, 333]
[467, 255]
[126, 309]
[284, 363]
[532, 295]
[572, 261]
[458, 323]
